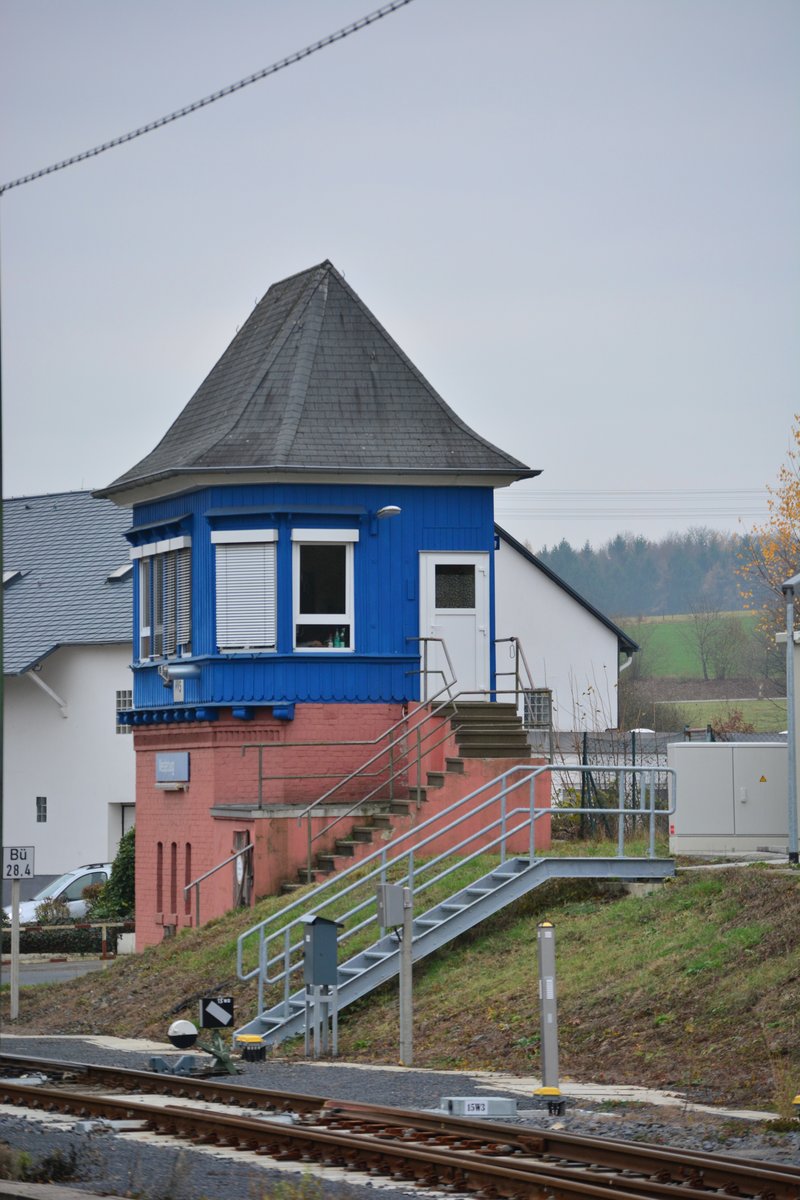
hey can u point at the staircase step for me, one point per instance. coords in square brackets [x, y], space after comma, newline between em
[455, 766]
[418, 794]
[363, 833]
[496, 750]
[436, 779]
[346, 846]
[400, 808]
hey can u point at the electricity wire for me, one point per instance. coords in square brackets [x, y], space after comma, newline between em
[290, 59]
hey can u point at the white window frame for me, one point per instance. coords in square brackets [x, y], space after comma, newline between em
[246, 619]
[165, 629]
[311, 537]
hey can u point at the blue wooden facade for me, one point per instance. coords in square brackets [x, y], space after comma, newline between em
[382, 663]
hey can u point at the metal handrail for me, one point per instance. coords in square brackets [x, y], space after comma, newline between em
[520, 686]
[196, 882]
[399, 856]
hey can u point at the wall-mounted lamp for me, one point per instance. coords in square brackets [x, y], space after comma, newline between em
[388, 510]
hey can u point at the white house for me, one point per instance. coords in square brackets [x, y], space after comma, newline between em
[570, 646]
[68, 769]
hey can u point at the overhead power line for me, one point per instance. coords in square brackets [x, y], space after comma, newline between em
[290, 59]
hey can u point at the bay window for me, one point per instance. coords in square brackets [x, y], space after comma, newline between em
[165, 597]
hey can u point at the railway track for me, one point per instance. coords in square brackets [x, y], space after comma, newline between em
[433, 1150]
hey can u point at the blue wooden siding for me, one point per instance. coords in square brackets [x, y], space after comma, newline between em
[386, 586]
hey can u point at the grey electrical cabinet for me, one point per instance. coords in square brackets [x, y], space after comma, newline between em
[729, 796]
[320, 952]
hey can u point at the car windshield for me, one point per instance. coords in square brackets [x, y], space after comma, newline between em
[57, 885]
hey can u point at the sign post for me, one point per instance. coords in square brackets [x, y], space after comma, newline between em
[17, 865]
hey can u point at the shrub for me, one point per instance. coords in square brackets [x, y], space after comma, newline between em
[117, 898]
[53, 912]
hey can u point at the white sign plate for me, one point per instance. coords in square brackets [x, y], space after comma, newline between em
[476, 1108]
[18, 862]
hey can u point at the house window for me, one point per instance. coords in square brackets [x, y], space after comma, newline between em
[124, 702]
[41, 809]
[323, 588]
[165, 598]
[246, 592]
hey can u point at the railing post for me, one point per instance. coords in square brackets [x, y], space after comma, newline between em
[287, 954]
[651, 851]
[419, 756]
[262, 967]
[197, 904]
[532, 847]
[621, 817]
[411, 871]
[308, 848]
[391, 771]
[503, 795]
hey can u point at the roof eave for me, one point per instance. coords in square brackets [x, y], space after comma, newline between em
[129, 492]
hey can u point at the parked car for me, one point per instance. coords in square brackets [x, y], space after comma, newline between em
[67, 887]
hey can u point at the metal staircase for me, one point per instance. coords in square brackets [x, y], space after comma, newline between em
[503, 815]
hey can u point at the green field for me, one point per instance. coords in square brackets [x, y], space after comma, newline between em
[669, 644]
[766, 716]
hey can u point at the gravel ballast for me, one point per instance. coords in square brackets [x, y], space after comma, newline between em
[141, 1165]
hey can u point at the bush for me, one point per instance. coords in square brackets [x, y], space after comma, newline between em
[53, 912]
[117, 898]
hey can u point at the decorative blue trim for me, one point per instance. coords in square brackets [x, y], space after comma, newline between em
[283, 712]
[243, 714]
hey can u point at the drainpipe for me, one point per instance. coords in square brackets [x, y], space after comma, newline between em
[62, 704]
[788, 591]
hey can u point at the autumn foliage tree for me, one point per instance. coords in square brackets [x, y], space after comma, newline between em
[772, 551]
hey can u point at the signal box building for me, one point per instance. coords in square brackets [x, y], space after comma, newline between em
[309, 535]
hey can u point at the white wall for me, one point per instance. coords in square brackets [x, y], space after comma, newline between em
[567, 648]
[81, 764]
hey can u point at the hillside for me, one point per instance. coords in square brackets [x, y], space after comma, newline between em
[694, 988]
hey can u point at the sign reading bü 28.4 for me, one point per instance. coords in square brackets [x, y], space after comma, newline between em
[18, 862]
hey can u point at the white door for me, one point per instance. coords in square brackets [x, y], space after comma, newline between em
[454, 607]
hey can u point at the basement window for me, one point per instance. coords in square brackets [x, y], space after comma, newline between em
[41, 809]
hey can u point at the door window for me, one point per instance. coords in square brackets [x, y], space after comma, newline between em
[455, 585]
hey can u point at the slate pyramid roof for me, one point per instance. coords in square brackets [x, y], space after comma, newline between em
[313, 383]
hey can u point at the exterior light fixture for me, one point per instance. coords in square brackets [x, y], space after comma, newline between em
[388, 510]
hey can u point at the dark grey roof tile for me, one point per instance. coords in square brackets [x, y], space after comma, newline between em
[67, 545]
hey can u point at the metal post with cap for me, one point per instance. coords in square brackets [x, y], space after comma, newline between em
[788, 589]
[549, 1093]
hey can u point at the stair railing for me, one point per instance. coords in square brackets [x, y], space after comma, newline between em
[282, 949]
[240, 854]
[523, 680]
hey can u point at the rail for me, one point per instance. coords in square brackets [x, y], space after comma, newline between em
[280, 952]
[195, 883]
[523, 680]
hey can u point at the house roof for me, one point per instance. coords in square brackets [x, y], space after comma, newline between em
[312, 382]
[626, 644]
[58, 552]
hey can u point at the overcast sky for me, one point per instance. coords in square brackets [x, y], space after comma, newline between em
[579, 218]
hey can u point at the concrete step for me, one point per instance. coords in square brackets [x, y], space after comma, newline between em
[455, 766]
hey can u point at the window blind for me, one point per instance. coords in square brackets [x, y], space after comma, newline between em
[246, 596]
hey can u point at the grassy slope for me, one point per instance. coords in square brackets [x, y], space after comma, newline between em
[696, 988]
